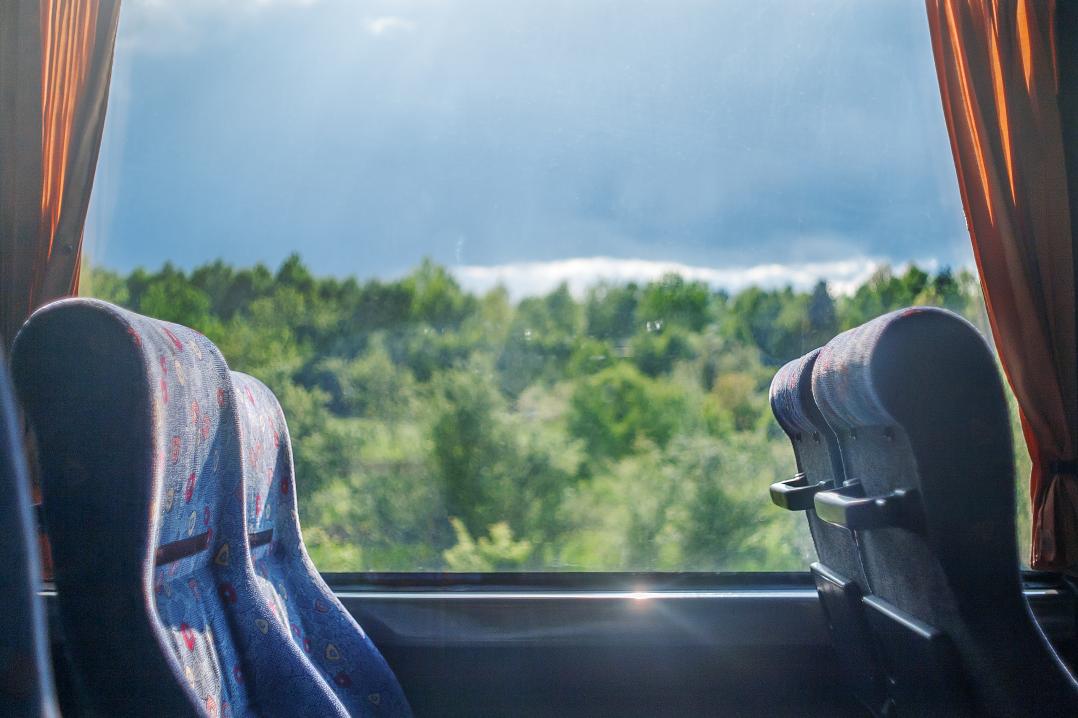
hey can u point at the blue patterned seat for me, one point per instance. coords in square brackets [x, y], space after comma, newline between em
[25, 672]
[317, 621]
[138, 432]
[917, 404]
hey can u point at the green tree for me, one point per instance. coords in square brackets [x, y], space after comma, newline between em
[610, 311]
[822, 319]
[495, 552]
[615, 408]
[437, 298]
[437, 430]
[171, 297]
[674, 302]
[655, 352]
[372, 385]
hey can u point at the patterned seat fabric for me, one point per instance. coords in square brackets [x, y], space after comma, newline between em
[315, 618]
[144, 501]
[25, 672]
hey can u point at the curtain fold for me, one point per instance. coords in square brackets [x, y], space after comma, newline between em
[999, 77]
[55, 67]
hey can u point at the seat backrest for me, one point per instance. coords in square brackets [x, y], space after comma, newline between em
[917, 404]
[819, 464]
[317, 621]
[839, 576]
[143, 481]
[26, 687]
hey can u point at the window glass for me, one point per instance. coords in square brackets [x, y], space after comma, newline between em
[520, 272]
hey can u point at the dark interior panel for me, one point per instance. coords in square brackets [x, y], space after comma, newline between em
[611, 644]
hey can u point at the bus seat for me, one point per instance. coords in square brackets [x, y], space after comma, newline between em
[839, 576]
[916, 402]
[142, 479]
[26, 687]
[314, 617]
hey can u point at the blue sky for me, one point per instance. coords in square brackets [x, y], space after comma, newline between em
[527, 142]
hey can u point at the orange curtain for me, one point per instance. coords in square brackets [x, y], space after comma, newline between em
[999, 77]
[55, 67]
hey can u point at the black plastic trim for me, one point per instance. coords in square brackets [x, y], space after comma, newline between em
[626, 581]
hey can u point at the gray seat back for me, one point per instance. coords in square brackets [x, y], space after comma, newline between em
[916, 402]
[839, 576]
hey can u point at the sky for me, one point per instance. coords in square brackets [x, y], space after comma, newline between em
[528, 143]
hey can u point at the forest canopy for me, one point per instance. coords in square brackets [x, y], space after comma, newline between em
[439, 430]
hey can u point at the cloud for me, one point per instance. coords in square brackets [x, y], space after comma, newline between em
[388, 23]
[517, 132]
[524, 279]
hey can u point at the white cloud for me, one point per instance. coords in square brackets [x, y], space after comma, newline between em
[535, 278]
[388, 23]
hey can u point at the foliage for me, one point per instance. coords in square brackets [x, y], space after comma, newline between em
[616, 409]
[434, 429]
[495, 552]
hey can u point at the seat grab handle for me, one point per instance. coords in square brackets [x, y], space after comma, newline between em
[850, 508]
[796, 494]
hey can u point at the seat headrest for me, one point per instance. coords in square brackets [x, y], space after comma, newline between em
[791, 396]
[178, 413]
[848, 379]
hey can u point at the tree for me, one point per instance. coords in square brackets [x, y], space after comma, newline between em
[822, 319]
[171, 297]
[372, 385]
[540, 341]
[433, 429]
[295, 275]
[495, 552]
[437, 298]
[467, 440]
[656, 352]
[615, 408]
[610, 311]
[674, 302]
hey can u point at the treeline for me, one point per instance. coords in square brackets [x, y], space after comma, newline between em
[435, 429]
